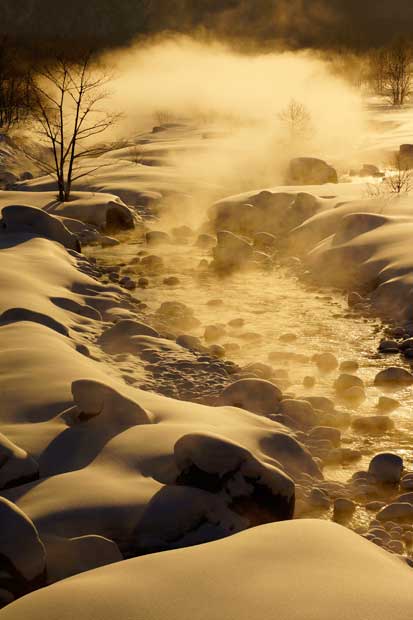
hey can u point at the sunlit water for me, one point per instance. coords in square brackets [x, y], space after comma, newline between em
[273, 303]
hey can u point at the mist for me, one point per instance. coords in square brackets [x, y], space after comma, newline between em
[240, 97]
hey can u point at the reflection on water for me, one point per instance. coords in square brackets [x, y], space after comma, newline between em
[272, 304]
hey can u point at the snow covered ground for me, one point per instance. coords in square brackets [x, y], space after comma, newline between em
[126, 430]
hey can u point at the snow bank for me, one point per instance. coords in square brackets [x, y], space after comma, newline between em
[298, 569]
[104, 211]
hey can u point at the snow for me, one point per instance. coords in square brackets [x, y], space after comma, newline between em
[93, 468]
[298, 569]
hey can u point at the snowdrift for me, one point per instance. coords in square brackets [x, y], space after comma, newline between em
[292, 570]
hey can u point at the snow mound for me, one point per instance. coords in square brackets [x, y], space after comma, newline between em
[119, 338]
[22, 554]
[296, 569]
[34, 221]
[16, 466]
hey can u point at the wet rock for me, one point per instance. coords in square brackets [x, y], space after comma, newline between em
[171, 281]
[289, 337]
[322, 403]
[157, 237]
[372, 424]
[353, 396]
[215, 302]
[300, 411]
[152, 263]
[108, 242]
[213, 333]
[387, 405]
[127, 283]
[236, 323]
[375, 506]
[398, 512]
[326, 432]
[177, 315]
[143, 282]
[389, 347]
[408, 354]
[343, 507]
[263, 371]
[406, 345]
[326, 362]
[309, 381]
[346, 381]
[349, 366]
[256, 395]
[393, 376]
[406, 483]
[387, 468]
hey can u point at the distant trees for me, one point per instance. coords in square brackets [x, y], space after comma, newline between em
[15, 94]
[392, 71]
[67, 115]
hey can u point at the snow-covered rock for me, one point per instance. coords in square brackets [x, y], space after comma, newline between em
[19, 219]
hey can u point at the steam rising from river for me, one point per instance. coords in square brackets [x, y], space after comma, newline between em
[239, 97]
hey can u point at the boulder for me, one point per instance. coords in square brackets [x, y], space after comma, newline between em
[300, 411]
[259, 492]
[345, 382]
[387, 468]
[157, 237]
[393, 376]
[256, 395]
[310, 171]
[397, 511]
[326, 362]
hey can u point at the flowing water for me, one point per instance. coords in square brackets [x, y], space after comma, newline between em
[274, 303]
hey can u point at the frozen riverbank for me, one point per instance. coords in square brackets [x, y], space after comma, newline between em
[149, 404]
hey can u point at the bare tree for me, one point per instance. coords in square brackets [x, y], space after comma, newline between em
[297, 121]
[392, 72]
[68, 117]
[399, 180]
